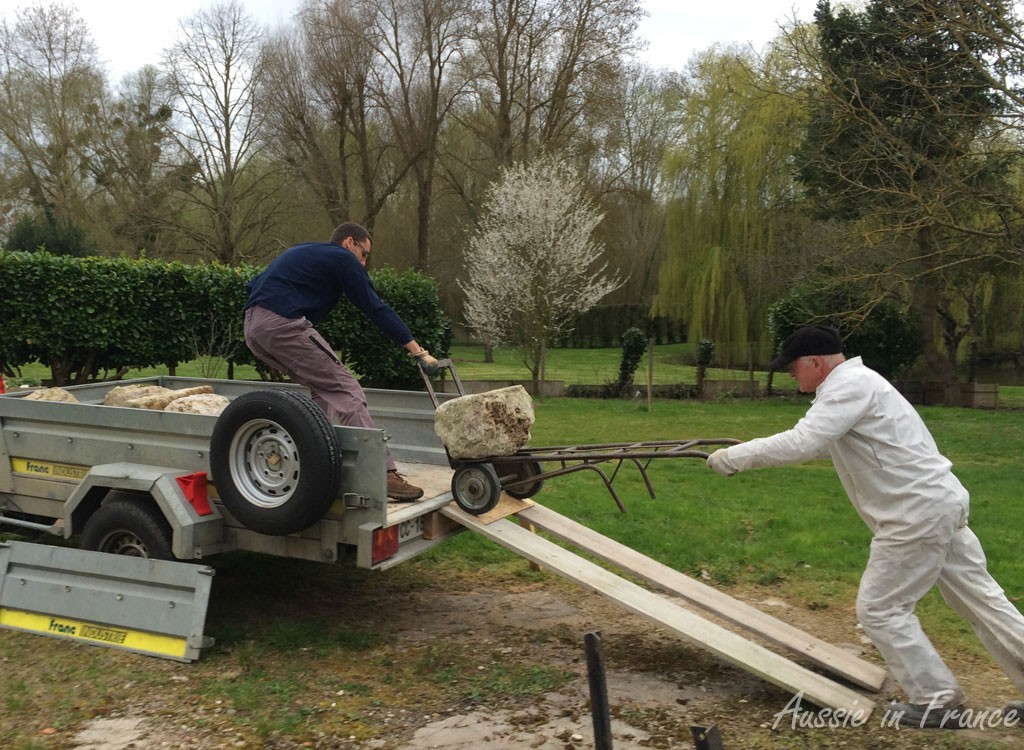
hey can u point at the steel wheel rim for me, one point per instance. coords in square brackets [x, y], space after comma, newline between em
[473, 488]
[264, 461]
[124, 542]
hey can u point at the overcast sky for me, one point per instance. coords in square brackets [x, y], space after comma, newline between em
[132, 33]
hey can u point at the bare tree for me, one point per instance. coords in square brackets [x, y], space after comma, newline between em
[626, 171]
[131, 165]
[540, 67]
[419, 43]
[213, 71]
[50, 83]
[320, 121]
[533, 266]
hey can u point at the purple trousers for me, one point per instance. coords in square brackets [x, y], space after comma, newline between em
[294, 347]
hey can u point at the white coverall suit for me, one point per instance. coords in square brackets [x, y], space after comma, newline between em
[917, 510]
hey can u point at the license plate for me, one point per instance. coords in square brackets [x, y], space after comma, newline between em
[411, 529]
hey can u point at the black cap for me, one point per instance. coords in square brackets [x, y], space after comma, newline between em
[806, 342]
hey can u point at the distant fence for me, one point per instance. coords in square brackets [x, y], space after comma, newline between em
[972, 395]
[975, 395]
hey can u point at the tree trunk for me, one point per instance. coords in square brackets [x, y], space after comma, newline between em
[543, 367]
[425, 190]
[927, 301]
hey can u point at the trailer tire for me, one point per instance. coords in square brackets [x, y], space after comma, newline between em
[275, 461]
[476, 488]
[135, 528]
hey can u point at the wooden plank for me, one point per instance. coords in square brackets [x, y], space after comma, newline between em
[436, 524]
[822, 653]
[507, 506]
[725, 644]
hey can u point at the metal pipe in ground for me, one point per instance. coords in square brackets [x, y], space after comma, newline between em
[598, 691]
[706, 738]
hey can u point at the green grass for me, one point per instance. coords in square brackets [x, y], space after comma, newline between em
[671, 364]
[789, 531]
[790, 527]
[589, 366]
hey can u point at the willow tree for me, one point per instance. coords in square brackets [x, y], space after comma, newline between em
[731, 209]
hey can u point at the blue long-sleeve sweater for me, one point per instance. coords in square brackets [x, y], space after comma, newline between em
[307, 280]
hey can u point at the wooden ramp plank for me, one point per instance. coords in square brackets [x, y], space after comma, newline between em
[822, 653]
[725, 644]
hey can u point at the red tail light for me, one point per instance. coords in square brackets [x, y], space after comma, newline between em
[385, 544]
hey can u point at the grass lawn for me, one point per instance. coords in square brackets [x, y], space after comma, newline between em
[790, 527]
[571, 366]
[289, 664]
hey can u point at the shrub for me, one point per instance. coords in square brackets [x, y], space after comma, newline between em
[886, 338]
[634, 342]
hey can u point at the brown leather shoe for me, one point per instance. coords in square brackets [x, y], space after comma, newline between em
[401, 490]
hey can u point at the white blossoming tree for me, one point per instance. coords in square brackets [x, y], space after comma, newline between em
[533, 266]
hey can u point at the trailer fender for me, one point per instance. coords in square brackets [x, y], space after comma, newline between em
[195, 529]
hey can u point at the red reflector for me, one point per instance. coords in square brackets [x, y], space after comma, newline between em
[385, 544]
[193, 487]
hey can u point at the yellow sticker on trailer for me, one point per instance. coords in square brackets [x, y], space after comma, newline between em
[95, 633]
[48, 469]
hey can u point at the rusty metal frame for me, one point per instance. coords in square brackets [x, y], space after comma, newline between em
[573, 458]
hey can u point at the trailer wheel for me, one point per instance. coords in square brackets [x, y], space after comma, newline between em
[476, 488]
[128, 527]
[520, 471]
[275, 461]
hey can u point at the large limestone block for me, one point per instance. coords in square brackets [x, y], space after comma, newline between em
[120, 395]
[160, 401]
[52, 394]
[494, 423]
[199, 403]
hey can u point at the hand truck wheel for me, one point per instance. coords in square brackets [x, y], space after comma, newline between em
[517, 474]
[476, 488]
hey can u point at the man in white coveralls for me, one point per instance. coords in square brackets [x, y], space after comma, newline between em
[917, 510]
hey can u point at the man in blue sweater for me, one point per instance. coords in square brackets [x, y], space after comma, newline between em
[295, 293]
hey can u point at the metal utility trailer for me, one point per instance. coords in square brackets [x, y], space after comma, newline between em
[269, 475]
[477, 483]
[145, 493]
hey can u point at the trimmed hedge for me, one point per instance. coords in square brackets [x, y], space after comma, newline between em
[95, 318]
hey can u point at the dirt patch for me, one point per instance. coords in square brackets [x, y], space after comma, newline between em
[453, 660]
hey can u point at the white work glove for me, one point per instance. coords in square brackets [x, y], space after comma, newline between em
[426, 362]
[719, 462]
